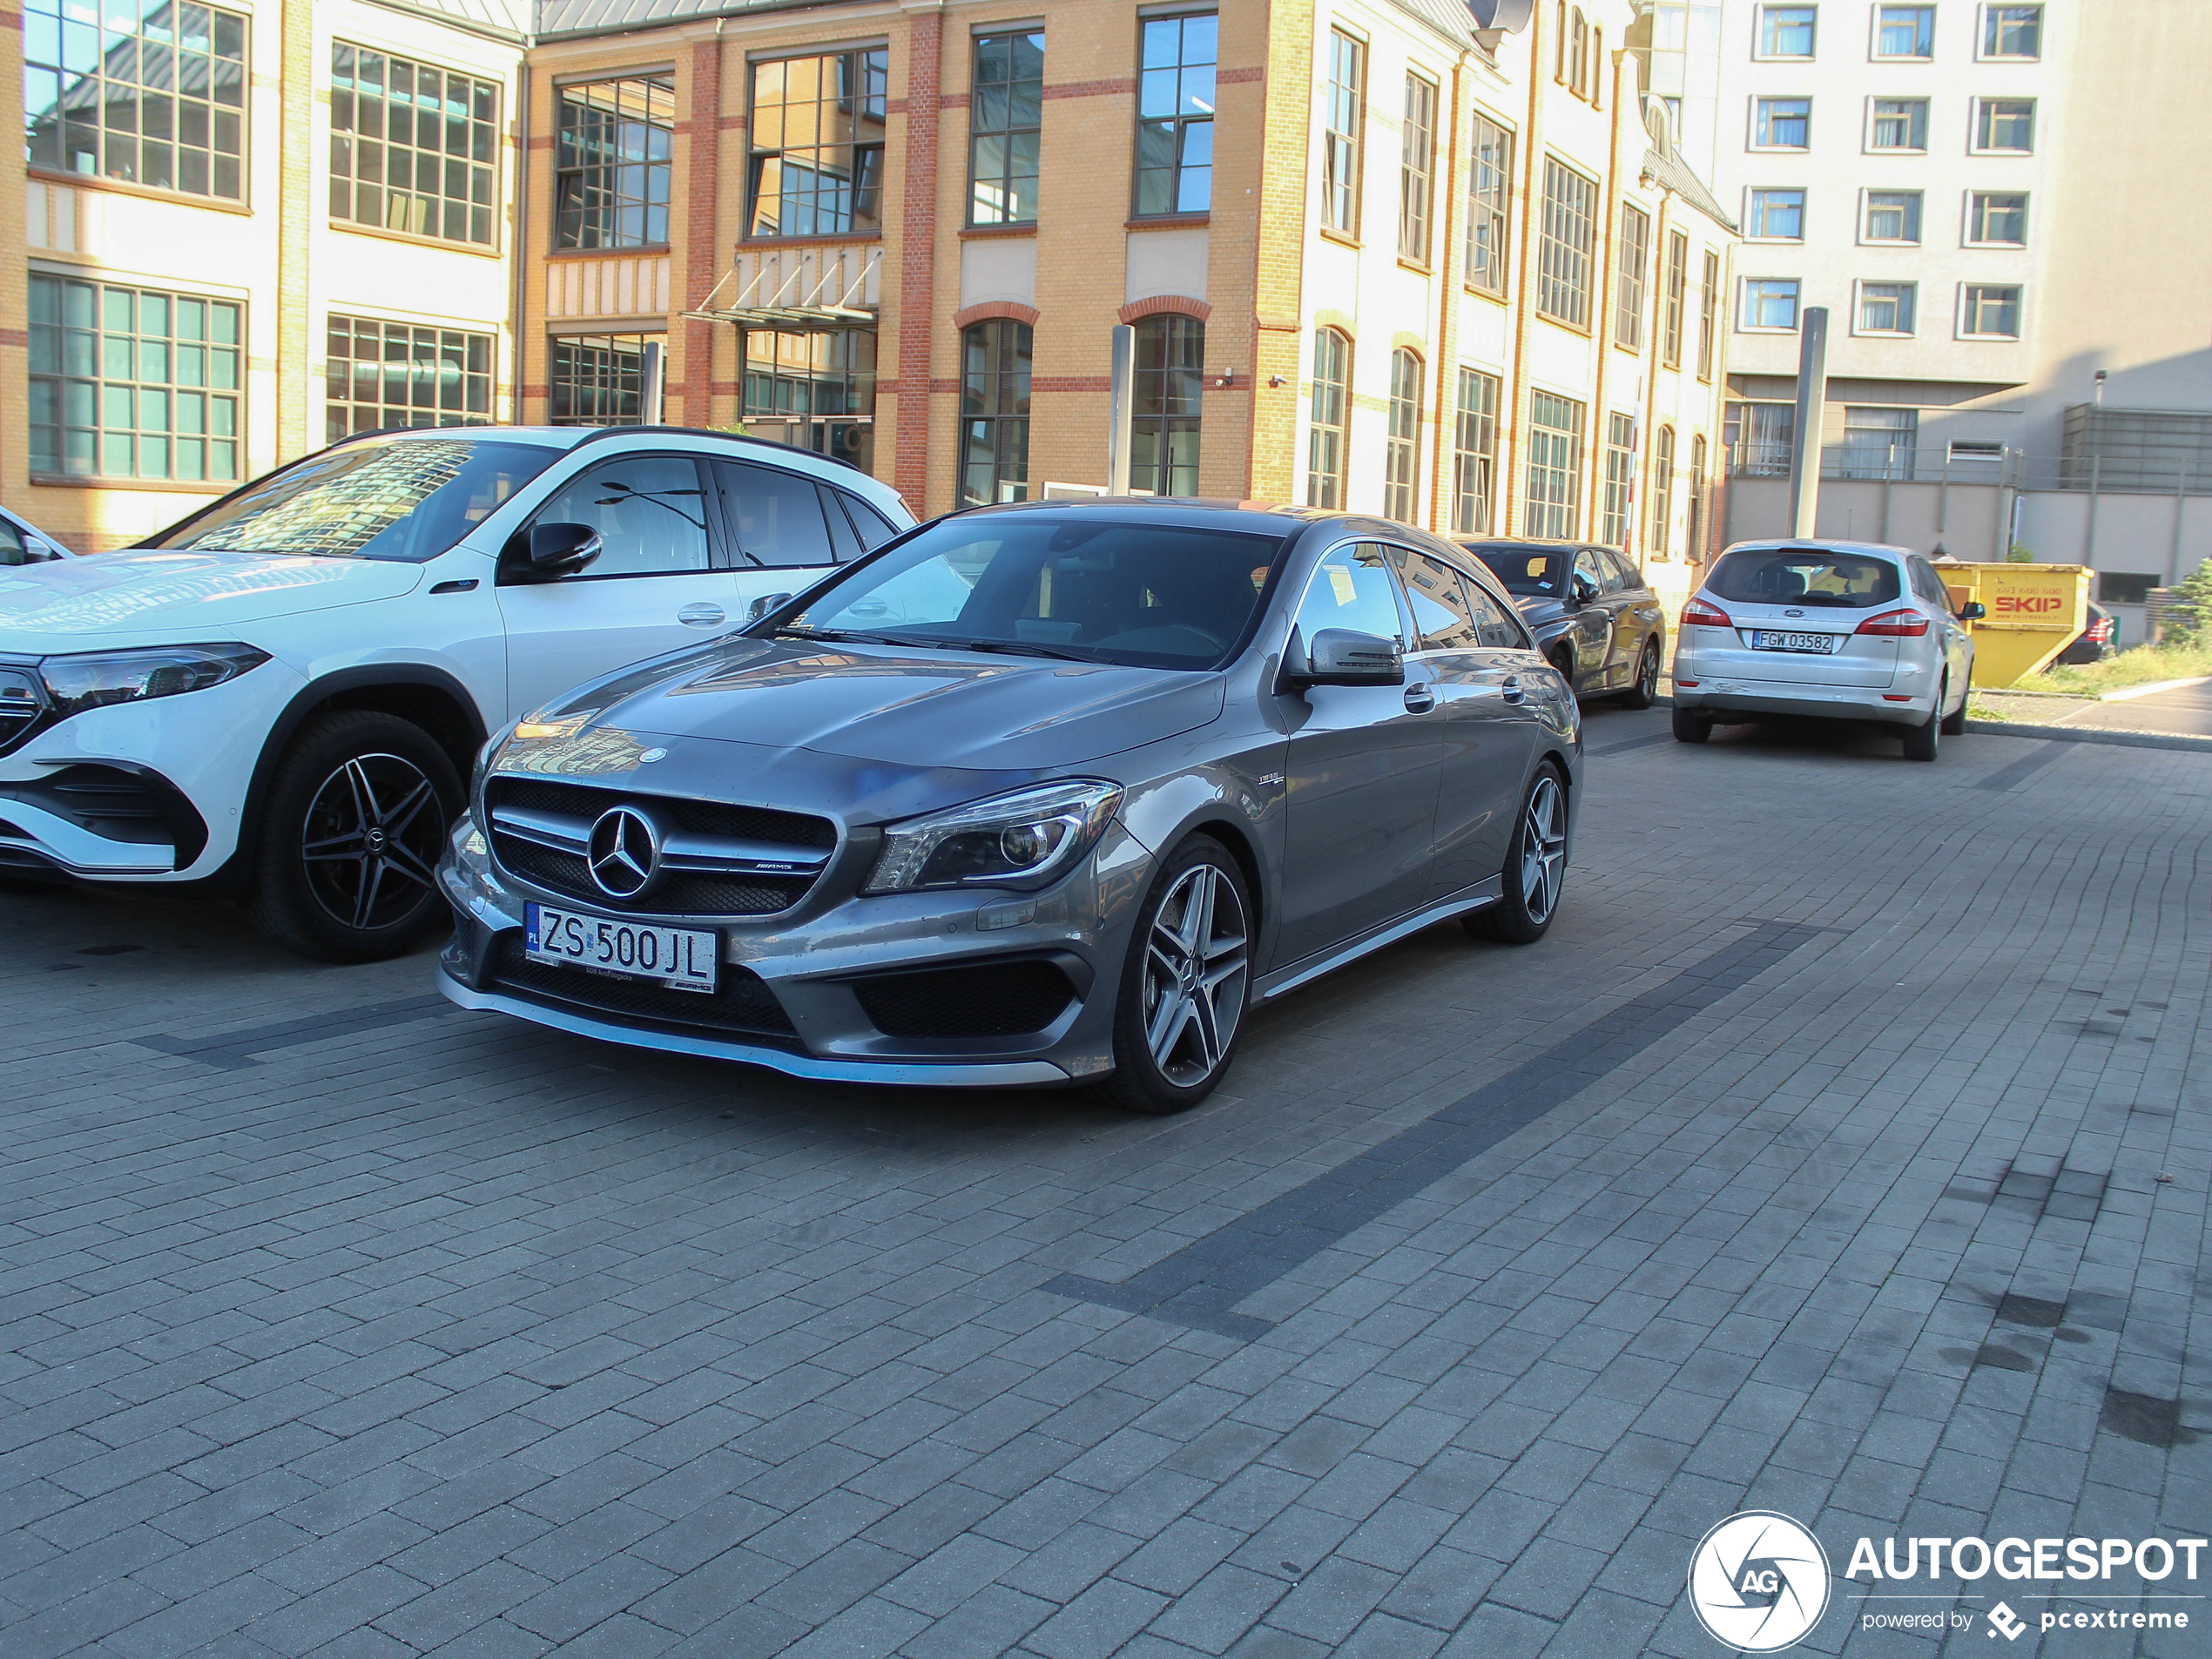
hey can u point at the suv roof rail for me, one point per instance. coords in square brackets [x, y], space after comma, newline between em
[599, 434]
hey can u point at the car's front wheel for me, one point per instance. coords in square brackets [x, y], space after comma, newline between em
[1535, 871]
[350, 836]
[1184, 986]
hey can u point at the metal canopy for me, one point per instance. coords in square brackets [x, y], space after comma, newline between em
[796, 288]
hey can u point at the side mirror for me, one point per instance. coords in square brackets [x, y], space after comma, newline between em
[1346, 657]
[1972, 611]
[766, 603]
[1581, 590]
[548, 552]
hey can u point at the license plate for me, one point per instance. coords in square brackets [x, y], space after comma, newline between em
[680, 958]
[1813, 645]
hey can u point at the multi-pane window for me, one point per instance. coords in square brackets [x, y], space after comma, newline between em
[2005, 125]
[1998, 219]
[1777, 216]
[1879, 442]
[1175, 100]
[1677, 299]
[1635, 255]
[994, 411]
[1005, 111]
[1662, 492]
[1563, 246]
[598, 379]
[2012, 31]
[149, 91]
[1786, 31]
[1893, 216]
[1620, 472]
[130, 382]
[1757, 438]
[1402, 452]
[1474, 453]
[1769, 302]
[1341, 110]
[611, 162]
[1417, 169]
[1897, 124]
[1693, 540]
[1708, 303]
[1990, 311]
[1781, 123]
[1555, 484]
[1170, 381]
[1489, 171]
[1886, 308]
[823, 371]
[818, 143]
[1329, 439]
[1903, 31]
[385, 374]
[412, 148]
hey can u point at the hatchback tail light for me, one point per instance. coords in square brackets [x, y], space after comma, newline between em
[1697, 614]
[2100, 631]
[1896, 625]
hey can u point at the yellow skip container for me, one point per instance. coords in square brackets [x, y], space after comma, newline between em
[2034, 611]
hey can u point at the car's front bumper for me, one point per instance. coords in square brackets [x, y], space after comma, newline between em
[815, 965]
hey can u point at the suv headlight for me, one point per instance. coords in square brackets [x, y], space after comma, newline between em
[1026, 839]
[94, 679]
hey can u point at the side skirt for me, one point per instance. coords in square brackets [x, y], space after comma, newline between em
[1284, 980]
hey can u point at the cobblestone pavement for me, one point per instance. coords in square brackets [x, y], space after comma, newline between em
[1818, 1162]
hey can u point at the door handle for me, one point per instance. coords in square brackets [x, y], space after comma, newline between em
[1420, 699]
[700, 613]
[1511, 690]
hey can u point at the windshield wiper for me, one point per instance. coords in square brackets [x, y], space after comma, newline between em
[1014, 648]
[844, 636]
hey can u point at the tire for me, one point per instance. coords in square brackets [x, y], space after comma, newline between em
[1193, 933]
[1565, 663]
[1644, 690]
[1692, 727]
[1535, 867]
[367, 890]
[1922, 741]
[1955, 724]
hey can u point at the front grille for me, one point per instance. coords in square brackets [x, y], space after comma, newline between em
[741, 1006]
[706, 816]
[681, 893]
[984, 999]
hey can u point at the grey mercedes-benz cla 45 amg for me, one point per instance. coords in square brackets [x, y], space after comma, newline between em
[1043, 793]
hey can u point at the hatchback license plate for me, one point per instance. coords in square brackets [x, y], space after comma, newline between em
[680, 958]
[1811, 644]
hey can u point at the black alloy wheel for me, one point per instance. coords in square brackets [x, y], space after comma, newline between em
[1644, 690]
[356, 821]
[1184, 984]
[1535, 872]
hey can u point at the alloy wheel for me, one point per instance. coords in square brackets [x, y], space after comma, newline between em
[1647, 675]
[371, 840]
[1543, 848]
[1194, 971]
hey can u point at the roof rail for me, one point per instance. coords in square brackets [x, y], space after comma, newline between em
[598, 434]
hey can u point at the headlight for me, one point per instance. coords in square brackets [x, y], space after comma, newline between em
[94, 679]
[1023, 840]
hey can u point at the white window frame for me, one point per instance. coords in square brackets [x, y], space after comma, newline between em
[1781, 149]
[1874, 149]
[1874, 53]
[1760, 54]
[2020, 303]
[1751, 214]
[1917, 214]
[1974, 125]
[1910, 299]
[1744, 324]
[1985, 18]
[1967, 237]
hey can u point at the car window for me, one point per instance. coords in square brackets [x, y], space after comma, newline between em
[1628, 575]
[1616, 574]
[1352, 588]
[1586, 565]
[12, 550]
[1441, 615]
[775, 516]
[1495, 626]
[1808, 575]
[845, 542]
[648, 510]
[1522, 569]
[875, 530]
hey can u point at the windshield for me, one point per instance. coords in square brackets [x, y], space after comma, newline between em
[1803, 576]
[1085, 587]
[404, 499]
[1528, 569]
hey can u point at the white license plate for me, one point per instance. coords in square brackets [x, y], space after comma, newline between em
[1813, 645]
[680, 958]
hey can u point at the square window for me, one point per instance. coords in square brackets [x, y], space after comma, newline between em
[1997, 219]
[1892, 215]
[2012, 31]
[1898, 125]
[1786, 31]
[1990, 311]
[1777, 216]
[1770, 302]
[1781, 123]
[1886, 308]
[1905, 31]
[2005, 125]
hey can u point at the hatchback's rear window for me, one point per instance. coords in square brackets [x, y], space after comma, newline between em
[1797, 576]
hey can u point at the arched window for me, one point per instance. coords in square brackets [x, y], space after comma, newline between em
[1662, 491]
[1597, 68]
[1693, 542]
[1578, 54]
[994, 411]
[1170, 380]
[1559, 46]
[1402, 458]
[1331, 437]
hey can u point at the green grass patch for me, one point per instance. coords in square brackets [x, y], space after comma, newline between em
[2143, 665]
[1976, 711]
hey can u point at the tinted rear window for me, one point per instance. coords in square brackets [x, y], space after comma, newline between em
[1803, 576]
[1540, 570]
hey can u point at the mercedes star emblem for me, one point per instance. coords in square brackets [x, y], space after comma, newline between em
[623, 853]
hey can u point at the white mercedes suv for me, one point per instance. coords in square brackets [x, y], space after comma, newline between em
[281, 695]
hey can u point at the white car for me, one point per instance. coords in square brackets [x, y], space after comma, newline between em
[282, 695]
[1850, 631]
[24, 543]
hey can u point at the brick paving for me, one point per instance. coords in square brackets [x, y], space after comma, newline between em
[338, 1323]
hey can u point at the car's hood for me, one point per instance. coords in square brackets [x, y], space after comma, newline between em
[928, 710]
[64, 605]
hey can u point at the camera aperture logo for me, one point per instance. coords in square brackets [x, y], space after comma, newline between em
[1758, 1581]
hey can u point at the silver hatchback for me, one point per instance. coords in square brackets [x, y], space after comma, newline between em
[1851, 631]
